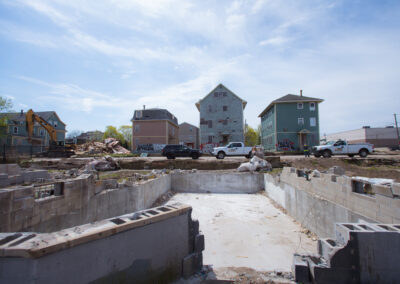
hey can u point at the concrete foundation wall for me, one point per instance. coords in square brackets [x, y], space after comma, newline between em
[217, 183]
[322, 201]
[160, 245]
[82, 200]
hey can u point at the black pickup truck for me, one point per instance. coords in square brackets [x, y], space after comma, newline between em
[172, 151]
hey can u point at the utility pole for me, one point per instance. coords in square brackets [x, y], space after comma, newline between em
[397, 129]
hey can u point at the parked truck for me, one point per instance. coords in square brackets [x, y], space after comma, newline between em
[232, 149]
[341, 147]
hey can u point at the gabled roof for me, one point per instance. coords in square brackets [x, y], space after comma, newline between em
[220, 85]
[154, 114]
[21, 116]
[290, 98]
[188, 124]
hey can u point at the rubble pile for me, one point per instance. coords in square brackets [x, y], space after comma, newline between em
[110, 145]
[255, 164]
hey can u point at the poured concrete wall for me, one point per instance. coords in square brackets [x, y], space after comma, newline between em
[160, 245]
[322, 201]
[209, 182]
[83, 200]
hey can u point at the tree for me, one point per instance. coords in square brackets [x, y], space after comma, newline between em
[5, 106]
[112, 132]
[251, 136]
[126, 131]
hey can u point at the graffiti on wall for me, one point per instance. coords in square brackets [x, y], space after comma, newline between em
[285, 145]
[208, 147]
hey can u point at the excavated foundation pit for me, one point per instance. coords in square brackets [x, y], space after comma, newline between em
[241, 227]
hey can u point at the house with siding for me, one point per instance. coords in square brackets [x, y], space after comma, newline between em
[17, 135]
[221, 117]
[290, 122]
[154, 126]
[189, 135]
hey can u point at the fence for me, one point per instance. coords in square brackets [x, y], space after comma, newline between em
[12, 153]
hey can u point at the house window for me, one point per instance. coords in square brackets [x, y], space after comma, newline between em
[313, 121]
[312, 106]
[139, 114]
[41, 132]
[225, 108]
[210, 139]
[55, 123]
[209, 108]
[299, 105]
[173, 131]
[191, 129]
[15, 130]
[300, 121]
[210, 124]
[137, 128]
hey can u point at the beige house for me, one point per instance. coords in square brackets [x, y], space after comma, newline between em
[189, 135]
[154, 126]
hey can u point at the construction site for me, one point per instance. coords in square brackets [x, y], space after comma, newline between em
[153, 220]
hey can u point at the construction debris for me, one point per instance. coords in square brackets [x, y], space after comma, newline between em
[106, 163]
[255, 164]
[110, 145]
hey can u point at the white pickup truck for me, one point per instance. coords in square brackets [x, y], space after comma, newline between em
[232, 149]
[341, 147]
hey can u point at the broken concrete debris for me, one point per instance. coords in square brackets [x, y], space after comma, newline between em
[255, 164]
[110, 145]
[106, 163]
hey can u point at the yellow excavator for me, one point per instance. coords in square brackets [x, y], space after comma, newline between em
[56, 148]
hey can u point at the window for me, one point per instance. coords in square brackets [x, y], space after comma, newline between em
[15, 130]
[300, 121]
[210, 124]
[139, 114]
[41, 132]
[209, 108]
[210, 139]
[237, 145]
[55, 124]
[137, 128]
[312, 106]
[191, 129]
[225, 108]
[313, 121]
[299, 105]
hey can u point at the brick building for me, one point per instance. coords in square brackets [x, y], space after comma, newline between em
[154, 126]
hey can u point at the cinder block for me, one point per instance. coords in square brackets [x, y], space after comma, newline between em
[5, 201]
[382, 190]
[396, 188]
[22, 203]
[4, 181]
[191, 264]
[21, 192]
[300, 269]
[10, 169]
[16, 179]
[199, 243]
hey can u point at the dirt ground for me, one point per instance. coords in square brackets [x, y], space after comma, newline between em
[373, 167]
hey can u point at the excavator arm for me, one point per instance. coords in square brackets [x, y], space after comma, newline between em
[31, 117]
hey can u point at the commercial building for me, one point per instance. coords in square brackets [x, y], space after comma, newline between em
[378, 136]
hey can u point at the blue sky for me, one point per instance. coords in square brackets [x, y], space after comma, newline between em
[95, 62]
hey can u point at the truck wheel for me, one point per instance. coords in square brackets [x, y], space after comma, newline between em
[326, 154]
[351, 155]
[317, 155]
[363, 153]
[220, 155]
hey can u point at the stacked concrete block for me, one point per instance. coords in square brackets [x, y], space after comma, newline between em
[361, 253]
[157, 245]
[4, 181]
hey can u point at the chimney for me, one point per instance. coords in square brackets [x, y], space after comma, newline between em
[301, 93]
[144, 106]
[22, 112]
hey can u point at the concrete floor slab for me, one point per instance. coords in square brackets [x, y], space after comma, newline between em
[246, 230]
